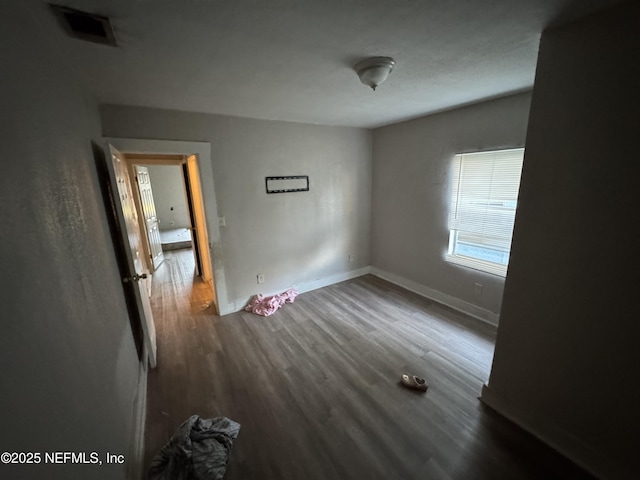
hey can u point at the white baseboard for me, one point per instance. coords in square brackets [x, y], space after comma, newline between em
[239, 304]
[560, 440]
[331, 279]
[135, 460]
[448, 300]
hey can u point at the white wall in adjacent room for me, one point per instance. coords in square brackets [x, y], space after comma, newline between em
[169, 196]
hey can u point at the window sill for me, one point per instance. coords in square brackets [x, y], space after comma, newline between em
[483, 266]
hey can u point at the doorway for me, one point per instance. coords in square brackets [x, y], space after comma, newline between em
[171, 210]
[199, 160]
[170, 213]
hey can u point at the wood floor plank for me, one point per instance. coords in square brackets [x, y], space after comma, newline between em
[316, 386]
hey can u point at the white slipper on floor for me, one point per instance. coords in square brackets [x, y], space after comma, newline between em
[411, 381]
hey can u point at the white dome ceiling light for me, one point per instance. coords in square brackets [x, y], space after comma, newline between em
[375, 70]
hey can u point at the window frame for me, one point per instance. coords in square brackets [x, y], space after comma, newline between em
[452, 254]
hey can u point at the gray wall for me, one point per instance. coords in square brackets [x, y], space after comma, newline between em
[411, 175]
[68, 365]
[566, 361]
[169, 196]
[293, 238]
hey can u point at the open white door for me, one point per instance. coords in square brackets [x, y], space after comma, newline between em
[149, 212]
[127, 217]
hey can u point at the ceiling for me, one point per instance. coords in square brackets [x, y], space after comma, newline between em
[293, 60]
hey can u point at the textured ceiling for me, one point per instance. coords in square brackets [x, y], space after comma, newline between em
[293, 59]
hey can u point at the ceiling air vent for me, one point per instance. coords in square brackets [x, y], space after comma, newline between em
[85, 26]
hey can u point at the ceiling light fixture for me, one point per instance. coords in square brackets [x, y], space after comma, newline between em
[375, 70]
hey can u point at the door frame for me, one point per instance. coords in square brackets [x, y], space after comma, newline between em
[195, 241]
[202, 153]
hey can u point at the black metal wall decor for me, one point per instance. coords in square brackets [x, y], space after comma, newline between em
[286, 184]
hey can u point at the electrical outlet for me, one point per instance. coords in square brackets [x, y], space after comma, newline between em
[260, 278]
[352, 257]
[222, 222]
[478, 289]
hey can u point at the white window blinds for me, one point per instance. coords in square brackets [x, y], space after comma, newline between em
[483, 203]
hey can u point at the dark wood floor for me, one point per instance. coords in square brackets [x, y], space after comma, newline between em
[316, 386]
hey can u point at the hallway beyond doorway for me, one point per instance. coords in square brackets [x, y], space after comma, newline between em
[176, 284]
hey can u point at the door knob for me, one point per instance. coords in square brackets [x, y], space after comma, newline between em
[134, 278]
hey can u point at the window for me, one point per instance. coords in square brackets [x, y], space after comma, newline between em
[483, 208]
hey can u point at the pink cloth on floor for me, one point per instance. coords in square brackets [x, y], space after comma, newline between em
[266, 306]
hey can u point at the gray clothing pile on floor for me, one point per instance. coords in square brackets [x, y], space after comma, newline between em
[199, 450]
